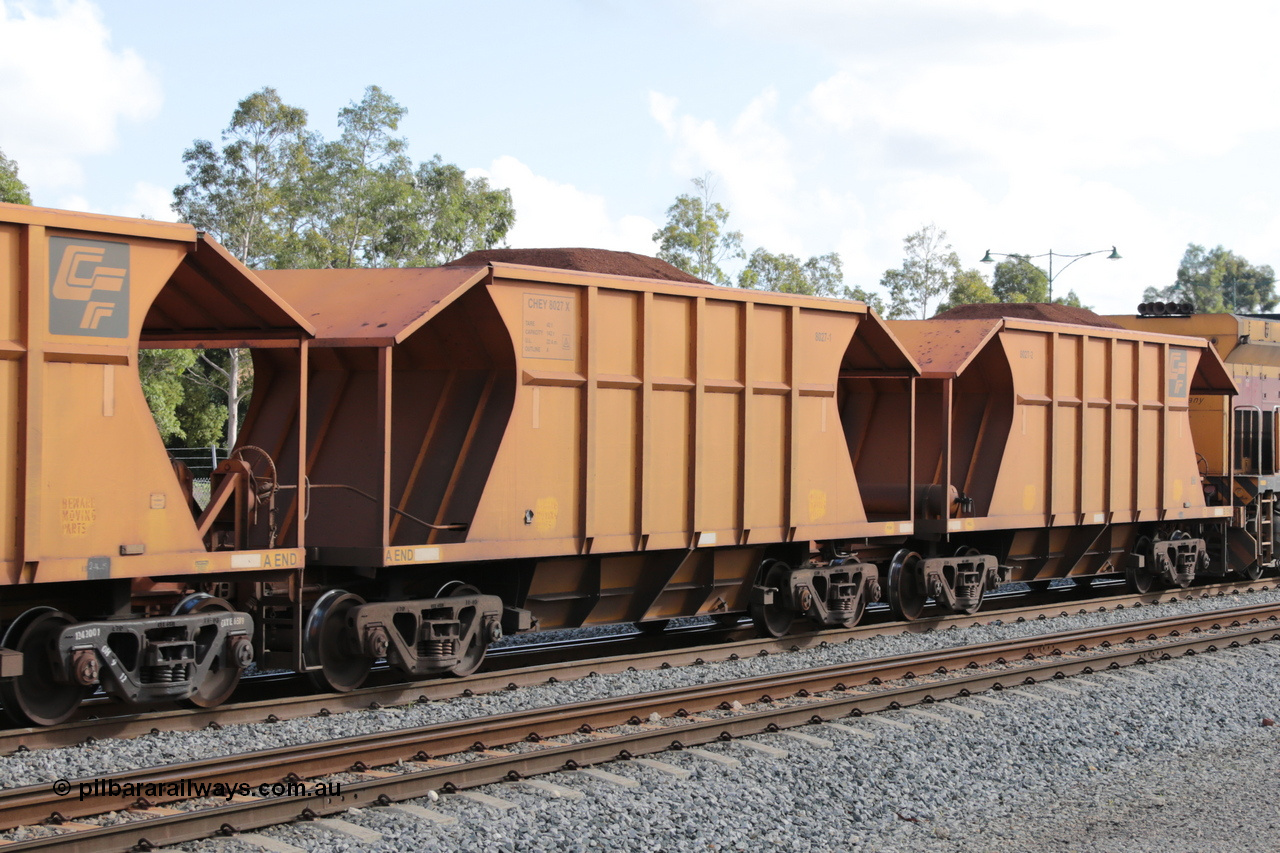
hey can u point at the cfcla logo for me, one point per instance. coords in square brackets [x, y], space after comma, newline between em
[80, 274]
[89, 288]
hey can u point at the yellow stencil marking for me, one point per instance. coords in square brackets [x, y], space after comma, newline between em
[545, 513]
[817, 504]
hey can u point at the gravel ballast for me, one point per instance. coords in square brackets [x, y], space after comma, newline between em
[1040, 767]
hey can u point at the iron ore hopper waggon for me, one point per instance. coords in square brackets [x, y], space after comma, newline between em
[521, 440]
[1063, 450]
[93, 519]
[494, 446]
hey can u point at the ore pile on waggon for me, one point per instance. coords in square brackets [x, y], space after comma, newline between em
[557, 438]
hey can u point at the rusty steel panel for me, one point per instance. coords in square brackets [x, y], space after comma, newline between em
[670, 420]
[1251, 349]
[392, 303]
[86, 479]
[545, 413]
[1042, 424]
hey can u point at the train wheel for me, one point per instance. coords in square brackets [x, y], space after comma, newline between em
[653, 626]
[36, 697]
[223, 675]
[1251, 572]
[773, 620]
[327, 642]
[906, 591]
[1139, 580]
[471, 658]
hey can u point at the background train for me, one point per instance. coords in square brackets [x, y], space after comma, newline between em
[555, 438]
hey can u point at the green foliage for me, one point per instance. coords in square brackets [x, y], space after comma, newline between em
[1072, 300]
[967, 288]
[822, 275]
[360, 183]
[1218, 281]
[693, 238]
[12, 189]
[1016, 279]
[161, 372]
[446, 217]
[203, 413]
[928, 271]
[188, 405]
[857, 294]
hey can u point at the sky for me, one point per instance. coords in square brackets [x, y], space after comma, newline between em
[1018, 126]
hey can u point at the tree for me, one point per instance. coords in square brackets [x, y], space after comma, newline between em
[362, 179]
[250, 194]
[161, 374]
[12, 189]
[693, 238]
[1016, 279]
[928, 270]
[447, 216]
[1071, 300]
[967, 288]
[1217, 281]
[822, 275]
[873, 300]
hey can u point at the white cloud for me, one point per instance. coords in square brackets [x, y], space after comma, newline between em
[751, 162]
[1015, 126]
[555, 215]
[64, 89]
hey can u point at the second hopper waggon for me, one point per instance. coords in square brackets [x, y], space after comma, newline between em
[497, 444]
[1061, 450]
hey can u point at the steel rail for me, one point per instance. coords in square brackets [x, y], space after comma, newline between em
[36, 803]
[489, 768]
[128, 725]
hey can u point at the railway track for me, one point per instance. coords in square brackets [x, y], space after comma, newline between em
[523, 666]
[468, 753]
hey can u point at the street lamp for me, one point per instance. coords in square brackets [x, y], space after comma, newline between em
[987, 259]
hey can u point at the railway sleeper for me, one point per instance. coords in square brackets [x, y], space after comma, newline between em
[436, 635]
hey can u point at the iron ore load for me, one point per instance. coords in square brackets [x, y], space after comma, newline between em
[537, 439]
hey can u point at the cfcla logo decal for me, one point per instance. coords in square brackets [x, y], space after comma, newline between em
[89, 288]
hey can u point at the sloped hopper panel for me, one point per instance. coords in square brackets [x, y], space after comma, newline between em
[874, 399]
[213, 300]
[452, 390]
[982, 415]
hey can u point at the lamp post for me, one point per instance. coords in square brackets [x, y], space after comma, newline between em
[987, 259]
